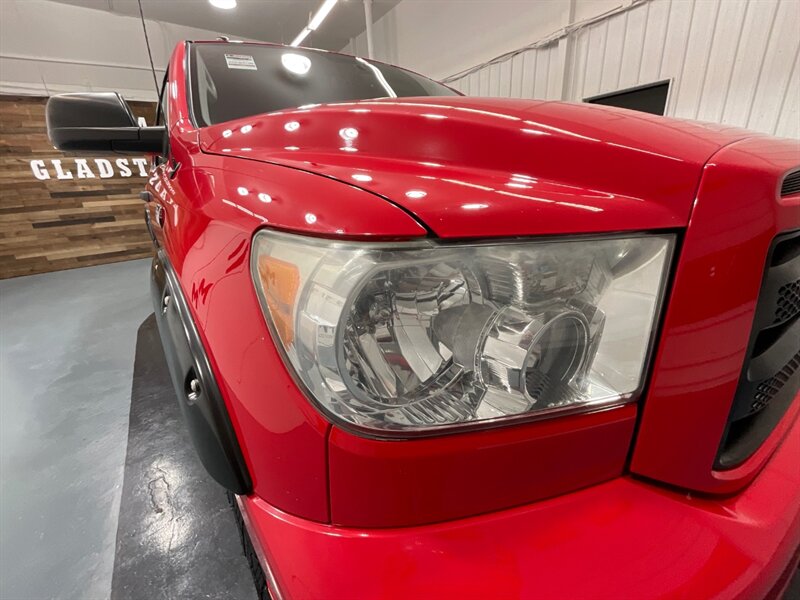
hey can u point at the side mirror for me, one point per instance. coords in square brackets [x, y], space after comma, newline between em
[99, 122]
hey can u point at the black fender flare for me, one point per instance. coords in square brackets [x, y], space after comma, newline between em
[199, 396]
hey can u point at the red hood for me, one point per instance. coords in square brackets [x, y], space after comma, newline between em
[469, 167]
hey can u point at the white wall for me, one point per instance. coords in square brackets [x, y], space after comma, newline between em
[731, 61]
[49, 47]
[441, 37]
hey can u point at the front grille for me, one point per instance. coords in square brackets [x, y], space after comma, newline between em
[791, 184]
[768, 389]
[770, 376]
[788, 302]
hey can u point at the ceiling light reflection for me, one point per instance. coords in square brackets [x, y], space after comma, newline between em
[557, 130]
[379, 76]
[348, 133]
[295, 63]
[245, 210]
[485, 188]
[223, 4]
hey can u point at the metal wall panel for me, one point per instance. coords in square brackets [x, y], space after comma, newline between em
[730, 61]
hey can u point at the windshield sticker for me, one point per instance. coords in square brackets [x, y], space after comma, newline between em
[241, 61]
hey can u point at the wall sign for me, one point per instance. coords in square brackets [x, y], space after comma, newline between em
[84, 168]
[58, 210]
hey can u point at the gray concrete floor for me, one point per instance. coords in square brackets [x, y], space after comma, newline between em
[67, 345]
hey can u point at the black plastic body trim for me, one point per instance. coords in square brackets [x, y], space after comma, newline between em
[791, 183]
[770, 375]
[198, 394]
[98, 122]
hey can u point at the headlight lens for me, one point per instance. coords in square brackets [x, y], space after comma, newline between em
[419, 336]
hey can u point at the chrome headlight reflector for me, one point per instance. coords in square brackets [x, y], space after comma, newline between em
[413, 337]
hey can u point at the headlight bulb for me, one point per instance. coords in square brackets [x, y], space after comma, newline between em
[532, 357]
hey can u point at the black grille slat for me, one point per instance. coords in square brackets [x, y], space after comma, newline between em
[768, 389]
[791, 184]
[788, 305]
[770, 376]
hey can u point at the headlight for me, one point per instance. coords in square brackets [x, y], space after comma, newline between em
[419, 336]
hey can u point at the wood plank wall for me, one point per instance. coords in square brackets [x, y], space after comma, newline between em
[52, 223]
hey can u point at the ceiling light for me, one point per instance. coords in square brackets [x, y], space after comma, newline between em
[224, 4]
[316, 21]
[300, 37]
[323, 11]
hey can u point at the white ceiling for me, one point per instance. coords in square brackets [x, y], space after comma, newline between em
[266, 20]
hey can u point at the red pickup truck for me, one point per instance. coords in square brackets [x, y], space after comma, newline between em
[448, 347]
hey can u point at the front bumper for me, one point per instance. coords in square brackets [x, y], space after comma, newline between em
[622, 539]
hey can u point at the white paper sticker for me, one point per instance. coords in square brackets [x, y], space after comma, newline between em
[241, 61]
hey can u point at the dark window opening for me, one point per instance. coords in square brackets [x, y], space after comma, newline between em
[232, 81]
[162, 118]
[650, 98]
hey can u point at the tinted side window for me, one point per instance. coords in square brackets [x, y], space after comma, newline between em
[163, 105]
[650, 98]
[232, 81]
[162, 118]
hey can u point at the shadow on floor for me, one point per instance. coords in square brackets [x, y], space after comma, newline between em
[177, 537]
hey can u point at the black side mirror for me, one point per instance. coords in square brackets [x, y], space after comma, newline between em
[99, 122]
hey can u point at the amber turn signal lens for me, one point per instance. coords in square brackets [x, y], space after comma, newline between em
[280, 281]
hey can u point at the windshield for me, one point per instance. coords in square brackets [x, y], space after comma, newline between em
[231, 81]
